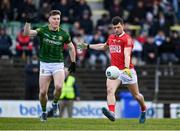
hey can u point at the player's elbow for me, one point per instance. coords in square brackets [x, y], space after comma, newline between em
[105, 47]
[71, 48]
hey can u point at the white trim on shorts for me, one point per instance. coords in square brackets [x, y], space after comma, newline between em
[49, 69]
[126, 79]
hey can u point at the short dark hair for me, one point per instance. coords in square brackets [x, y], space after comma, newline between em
[116, 20]
[54, 12]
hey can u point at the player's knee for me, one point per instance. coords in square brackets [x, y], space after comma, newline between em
[58, 87]
[42, 93]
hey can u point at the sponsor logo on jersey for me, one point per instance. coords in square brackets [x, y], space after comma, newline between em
[51, 41]
[115, 48]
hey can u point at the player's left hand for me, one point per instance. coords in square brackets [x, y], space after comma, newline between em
[127, 71]
[28, 18]
[72, 67]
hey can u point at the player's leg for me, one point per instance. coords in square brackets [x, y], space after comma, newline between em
[59, 77]
[45, 78]
[133, 88]
[44, 82]
[112, 86]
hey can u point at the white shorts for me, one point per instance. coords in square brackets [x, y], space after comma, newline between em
[49, 69]
[126, 79]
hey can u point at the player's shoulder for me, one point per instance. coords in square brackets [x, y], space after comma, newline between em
[63, 30]
[126, 35]
[40, 28]
[111, 36]
[45, 26]
[128, 39]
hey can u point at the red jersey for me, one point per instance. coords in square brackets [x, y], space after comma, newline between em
[116, 47]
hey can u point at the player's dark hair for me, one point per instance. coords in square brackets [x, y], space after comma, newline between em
[116, 20]
[54, 12]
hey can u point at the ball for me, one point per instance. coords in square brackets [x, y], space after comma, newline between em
[112, 72]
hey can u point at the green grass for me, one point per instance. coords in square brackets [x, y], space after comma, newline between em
[87, 124]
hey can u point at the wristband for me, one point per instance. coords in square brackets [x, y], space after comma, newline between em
[88, 46]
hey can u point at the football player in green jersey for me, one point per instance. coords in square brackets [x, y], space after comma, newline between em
[52, 39]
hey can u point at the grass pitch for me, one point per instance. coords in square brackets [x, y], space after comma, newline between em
[87, 124]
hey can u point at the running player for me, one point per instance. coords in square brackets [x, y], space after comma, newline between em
[52, 40]
[120, 46]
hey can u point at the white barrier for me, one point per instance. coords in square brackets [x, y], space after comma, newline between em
[175, 110]
[154, 110]
[81, 109]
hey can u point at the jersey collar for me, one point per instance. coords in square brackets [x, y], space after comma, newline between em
[121, 34]
[49, 27]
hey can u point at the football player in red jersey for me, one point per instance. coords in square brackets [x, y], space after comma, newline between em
[120, 46]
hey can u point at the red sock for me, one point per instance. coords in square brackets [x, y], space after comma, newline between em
[111, 108]
[143, 108]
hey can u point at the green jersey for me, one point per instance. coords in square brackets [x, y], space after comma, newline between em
[52, 44]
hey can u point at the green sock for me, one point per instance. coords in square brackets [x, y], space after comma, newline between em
[55, 101]
[43, 108]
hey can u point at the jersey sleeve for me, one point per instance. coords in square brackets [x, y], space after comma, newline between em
[67, 38]
[39, 31]
[128, 41]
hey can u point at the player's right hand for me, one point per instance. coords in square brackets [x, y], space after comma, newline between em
[127, 71]
[72, 67]
[82, 46]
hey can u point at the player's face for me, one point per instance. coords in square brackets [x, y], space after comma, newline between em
[118, 29]
[54, 21]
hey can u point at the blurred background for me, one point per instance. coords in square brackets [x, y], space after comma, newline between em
[153, 24]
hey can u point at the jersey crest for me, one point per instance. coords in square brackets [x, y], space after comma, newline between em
[60, 38]
[116, 41]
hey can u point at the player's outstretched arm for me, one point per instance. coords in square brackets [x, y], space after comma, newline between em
[100, 46]
[28, 31]
[27, 27]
